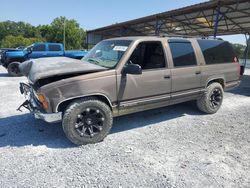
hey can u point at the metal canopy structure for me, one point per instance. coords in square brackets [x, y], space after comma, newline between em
[216, 17]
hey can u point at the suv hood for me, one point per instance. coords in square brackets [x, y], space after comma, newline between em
[36, 69]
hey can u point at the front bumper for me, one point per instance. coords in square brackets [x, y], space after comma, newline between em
[35, 108]
[50, 118]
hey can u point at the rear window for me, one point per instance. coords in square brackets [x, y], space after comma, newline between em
[183, 54]
[216, 51]
[54, 47]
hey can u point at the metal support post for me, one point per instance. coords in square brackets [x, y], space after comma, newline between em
[216, 24]
[157, 27]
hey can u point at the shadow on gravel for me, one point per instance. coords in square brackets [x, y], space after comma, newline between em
[4, 75]
[152, 117]
[244, 88]
[24, 130]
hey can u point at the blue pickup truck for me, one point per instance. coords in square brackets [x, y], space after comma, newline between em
[11, 58]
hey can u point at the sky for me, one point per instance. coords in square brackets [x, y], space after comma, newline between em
[91, 14]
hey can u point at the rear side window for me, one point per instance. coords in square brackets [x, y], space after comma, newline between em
[183, 54]
[216, 51]
[39, 48]
[54, 47]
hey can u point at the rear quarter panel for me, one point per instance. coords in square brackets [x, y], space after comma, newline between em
[228, 72]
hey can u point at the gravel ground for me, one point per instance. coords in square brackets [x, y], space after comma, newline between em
[170, 147]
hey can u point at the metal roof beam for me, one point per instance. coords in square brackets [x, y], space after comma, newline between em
[220, 17]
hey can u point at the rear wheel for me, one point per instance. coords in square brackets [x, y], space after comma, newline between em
[212, 99]
[13, 69]
[87, 121]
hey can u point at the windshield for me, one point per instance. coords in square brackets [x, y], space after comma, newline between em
[107, 53]
[27, 47]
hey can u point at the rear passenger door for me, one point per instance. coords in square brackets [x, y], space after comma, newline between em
[55, 50]
[186, 72]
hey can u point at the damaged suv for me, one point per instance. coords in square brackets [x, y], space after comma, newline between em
[126, 75]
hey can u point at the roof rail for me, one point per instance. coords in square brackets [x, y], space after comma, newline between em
[191, 36]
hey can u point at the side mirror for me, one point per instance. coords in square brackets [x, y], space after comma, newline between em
[132, 69]
[29, 50]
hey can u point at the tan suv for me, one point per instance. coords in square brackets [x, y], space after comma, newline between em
[126, 75]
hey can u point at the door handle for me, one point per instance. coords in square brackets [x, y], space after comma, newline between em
[167, 77]
[198, 72]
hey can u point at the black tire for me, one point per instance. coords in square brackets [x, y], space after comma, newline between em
[212, 99]
[80, 115]
[13, 69]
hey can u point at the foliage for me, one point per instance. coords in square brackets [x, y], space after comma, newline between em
[18, 29]
[11, 41]
[74, 35]
[14, 34]
[240, 50]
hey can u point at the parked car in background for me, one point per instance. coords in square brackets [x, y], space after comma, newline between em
[126, 75]
[11, 58]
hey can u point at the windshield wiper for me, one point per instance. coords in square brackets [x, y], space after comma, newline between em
[93, 60]
[96, 62]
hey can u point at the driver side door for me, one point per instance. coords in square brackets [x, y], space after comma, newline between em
[151, 89]
[38, 51]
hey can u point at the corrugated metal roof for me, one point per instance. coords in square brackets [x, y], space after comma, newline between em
[231, 17]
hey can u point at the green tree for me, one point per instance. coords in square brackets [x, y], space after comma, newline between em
[15, 41]
[13, 34]
[45, 31]
[18, 29]
[74, 35]
[240, 50]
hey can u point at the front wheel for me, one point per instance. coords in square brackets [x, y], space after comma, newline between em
[13, 69]
[87, 121]
[212, 99]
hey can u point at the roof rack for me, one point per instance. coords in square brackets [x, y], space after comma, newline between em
[191, 36]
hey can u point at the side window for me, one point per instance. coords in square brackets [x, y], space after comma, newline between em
[149, 55]
[54, 47]
[216, 51]
[39, 48]
[183, 54]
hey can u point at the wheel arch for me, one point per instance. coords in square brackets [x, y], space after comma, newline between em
[19, 60]
[219, 80]
[64, 103]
